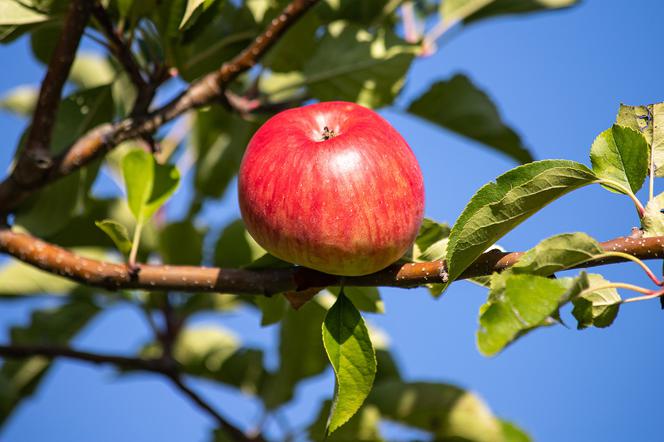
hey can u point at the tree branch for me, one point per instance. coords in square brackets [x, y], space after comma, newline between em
[113, 276]
[35, 160]
[160, 366]
[200, 93]
[25, 351]
[230, 429]
[119, 47]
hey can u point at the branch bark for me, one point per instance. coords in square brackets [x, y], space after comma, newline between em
[113, 276]
[105, 137]
[35, 161]
[160, 366]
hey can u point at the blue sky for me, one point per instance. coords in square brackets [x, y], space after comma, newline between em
[558, 78]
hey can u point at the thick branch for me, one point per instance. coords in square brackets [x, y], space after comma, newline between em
[34, 161]
[103, 138]
[59, 261]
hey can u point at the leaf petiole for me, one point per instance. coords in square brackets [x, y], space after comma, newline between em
[619, 187]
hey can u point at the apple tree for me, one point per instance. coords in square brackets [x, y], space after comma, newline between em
[168, 101]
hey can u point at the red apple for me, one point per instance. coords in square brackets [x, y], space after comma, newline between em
[331, 186]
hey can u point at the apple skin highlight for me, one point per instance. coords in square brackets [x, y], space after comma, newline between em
[331, 186]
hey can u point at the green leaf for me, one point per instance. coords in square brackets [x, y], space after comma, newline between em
[352, 64]
[557, 253]
[148, 184]
[138, 172]
[620, 154]
[431, 241]
[458, 105]
[519, 303]
[181, 243]
[364, 12]
[596, 308]
[473, 10]
[214, 353]
[91, 70]
[512, 433]
[67, 197]
[366, 299]
[118, 234]
[456, 10]
[273, 309]
[13, 12]
[352, 356]
[21, 100]
[447, 411]
[301, 353]
[219, 139]
[21, 377]
[193, 10]
[499, 207]
[652, 222]
[298, 44]
[649, 120]
[235, 247]
[363, 426]
[219, 34]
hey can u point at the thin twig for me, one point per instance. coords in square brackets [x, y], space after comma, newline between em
[59, 261]
[160, 366]
[101, 139]
[229, 428]
[24, 351]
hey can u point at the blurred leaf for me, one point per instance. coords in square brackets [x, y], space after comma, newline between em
[118, 234]
[512, 433]
[364, 12]
[291, 51]
[500, 206]
[352, 64]
[65, 198]
[649, 121]
[181, 243]
[91, 70]
[458, 105]
[620, 154]
[366, 299]
[363, 426]
[273, 309]
[21, 100]
[201, 350]
[20, 377]
[447, 411]
[219, 140]
[519, 303]
[473, 10]
[44, 38]
[124, 6]
[431, 241]
[652, 222]
[352, 356]
[596, 308]
[235, 247]
[124, 95]
[148, 184]
[557, 253]
[219, 34]
[193, 9]
[14, 13]
[301, 353]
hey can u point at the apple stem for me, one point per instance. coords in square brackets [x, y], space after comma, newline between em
[327, 133]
